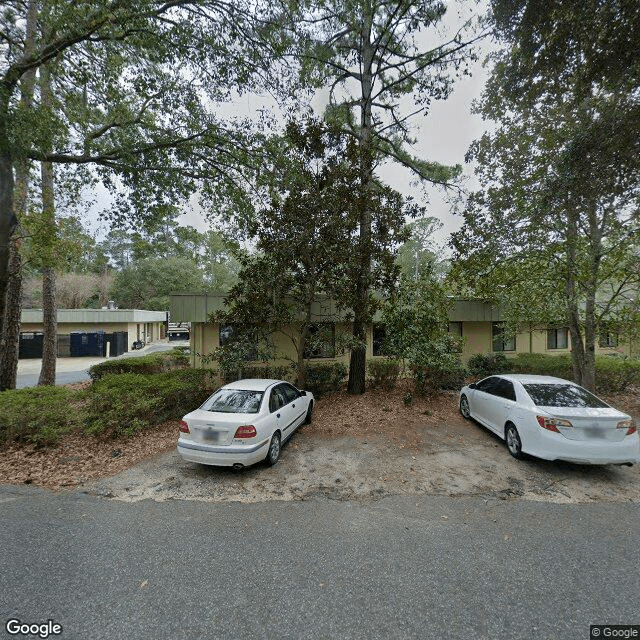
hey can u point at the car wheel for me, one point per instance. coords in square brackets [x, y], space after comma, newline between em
[514, 444]
[464, 407]
[274, 450]
[308, 417]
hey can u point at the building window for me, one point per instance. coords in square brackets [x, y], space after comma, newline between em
[500, 341]
[321, 341]
[608, 339]
[456, 328]
[558, 338]
[226, 334]
[379, 334]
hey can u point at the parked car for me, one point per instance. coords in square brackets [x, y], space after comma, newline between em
[551, 418]
[244, 422]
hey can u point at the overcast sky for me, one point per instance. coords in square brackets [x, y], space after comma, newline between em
[443, 135]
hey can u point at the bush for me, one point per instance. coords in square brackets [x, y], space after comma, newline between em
[280, 372]
[127, 402]
[486, 364]
[325, 377]
[428, 380]
[38, 414]
[384, 373]
[154, 363]
[544, 365]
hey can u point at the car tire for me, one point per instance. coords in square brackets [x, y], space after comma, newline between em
[309, 416]
[464, 407]
[513, 441]
[273, 454]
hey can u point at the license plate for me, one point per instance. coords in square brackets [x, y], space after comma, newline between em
[596, 434]
[210, 435]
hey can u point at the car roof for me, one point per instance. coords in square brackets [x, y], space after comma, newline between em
[252, 384]
[529, 378]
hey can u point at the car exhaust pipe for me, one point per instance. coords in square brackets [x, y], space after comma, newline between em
[237, 466]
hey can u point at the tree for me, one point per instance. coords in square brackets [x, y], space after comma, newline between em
[148, 283]
[306, 240]
[123, 100]
[368, 52]
[553, 234]
[419, 255]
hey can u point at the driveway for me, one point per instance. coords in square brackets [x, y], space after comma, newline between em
[72, 370]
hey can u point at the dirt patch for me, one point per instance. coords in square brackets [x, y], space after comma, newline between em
[357, 447]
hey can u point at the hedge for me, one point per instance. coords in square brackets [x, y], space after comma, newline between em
[324, 377]
[125, 403]
[153, 363]
[38, 414]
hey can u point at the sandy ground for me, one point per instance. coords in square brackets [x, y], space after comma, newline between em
[357, 447]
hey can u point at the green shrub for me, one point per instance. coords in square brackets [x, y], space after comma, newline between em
[615, 375]
[127, 402]
[154, 363]
[428, 380]
[384, 373]
[38, 414]
[486, 364]
[324, 377]
[279, 372]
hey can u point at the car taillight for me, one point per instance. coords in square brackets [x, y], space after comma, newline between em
[246, 431]
[184, 427]
[629, 425]
[552, 424]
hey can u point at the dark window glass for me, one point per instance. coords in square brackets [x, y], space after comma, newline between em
[289, 392]
[608, 339]
[379, 335]
[500, 342]
[488, 385]
[456, 328]
[562, 395]
[234, 401]
[558, 338]
[505, 389]
[321, 341]
[277, 399]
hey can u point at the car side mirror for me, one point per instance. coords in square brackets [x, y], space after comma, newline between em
[472, 385]
[302, 393]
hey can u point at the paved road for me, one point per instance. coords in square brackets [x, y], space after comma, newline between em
[429, 567]
[70, 370]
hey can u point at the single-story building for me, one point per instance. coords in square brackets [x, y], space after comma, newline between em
[479, 323]
[82, 325]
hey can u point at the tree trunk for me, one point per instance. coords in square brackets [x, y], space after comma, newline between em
[7, 217]
[11, 306]
[10, 343]
[358, 360]
[49, 311]
[573, 309]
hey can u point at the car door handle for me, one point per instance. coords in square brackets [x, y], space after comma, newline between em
[277, 415]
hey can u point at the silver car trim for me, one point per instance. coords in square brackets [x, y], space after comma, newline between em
[211, 449]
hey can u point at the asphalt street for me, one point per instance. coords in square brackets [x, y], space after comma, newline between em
[71, 370]
[428, 567]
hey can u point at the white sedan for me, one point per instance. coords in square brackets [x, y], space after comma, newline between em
[551, 418]
[243, 423]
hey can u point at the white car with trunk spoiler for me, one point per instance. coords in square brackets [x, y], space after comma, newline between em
[243, 423]
[551, 418]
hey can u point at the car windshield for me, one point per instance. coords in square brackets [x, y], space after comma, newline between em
[562, 395]
[234, 401]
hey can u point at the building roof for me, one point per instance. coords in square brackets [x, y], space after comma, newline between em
[197, 307]
[95, 316]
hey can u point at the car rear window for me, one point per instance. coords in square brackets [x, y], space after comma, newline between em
[562, 395]
[234, 401]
